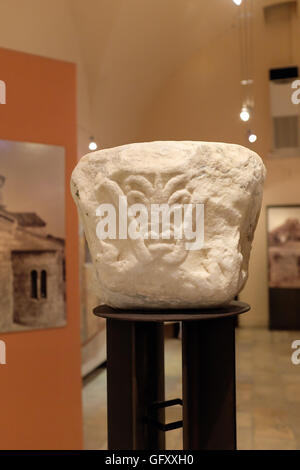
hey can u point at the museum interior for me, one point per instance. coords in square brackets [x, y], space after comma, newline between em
[81, 76]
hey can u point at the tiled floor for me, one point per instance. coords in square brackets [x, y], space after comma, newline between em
[268, 393]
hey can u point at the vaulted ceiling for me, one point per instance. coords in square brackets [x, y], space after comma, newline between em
[129, 52]
[131, 48]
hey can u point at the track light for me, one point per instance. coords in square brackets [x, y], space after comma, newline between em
[93, 145]
[237, 2]
[249, 81]
[252, 137]
[245, 114]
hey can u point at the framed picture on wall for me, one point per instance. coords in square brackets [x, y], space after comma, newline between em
[283, 226]
[32, 236]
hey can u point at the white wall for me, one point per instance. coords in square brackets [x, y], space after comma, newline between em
[46, 28]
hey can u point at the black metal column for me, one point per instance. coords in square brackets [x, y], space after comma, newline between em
[135, 380]
[209, 404]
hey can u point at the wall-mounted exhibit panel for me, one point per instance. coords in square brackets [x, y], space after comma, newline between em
[284, 266]
[39, 294]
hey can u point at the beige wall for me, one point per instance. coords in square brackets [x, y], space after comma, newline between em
[282, 187]
[46, 28]
[124, 50]
[202, 101]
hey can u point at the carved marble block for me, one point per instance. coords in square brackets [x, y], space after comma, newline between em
[195, 255]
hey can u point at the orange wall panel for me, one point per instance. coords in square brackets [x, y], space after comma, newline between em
[40, 386]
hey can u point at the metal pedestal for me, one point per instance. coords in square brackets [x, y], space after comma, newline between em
[135, 377]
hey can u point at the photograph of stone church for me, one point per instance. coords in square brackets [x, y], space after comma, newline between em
[32, 259]
[284, 247]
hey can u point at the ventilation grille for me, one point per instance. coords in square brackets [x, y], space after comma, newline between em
[286, 133]
[285, 114]
[279, 10]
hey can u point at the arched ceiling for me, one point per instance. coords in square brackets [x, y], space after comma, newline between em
[132, 47]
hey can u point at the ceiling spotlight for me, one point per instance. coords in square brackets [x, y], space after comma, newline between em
[237, 2]
[252, 137]
[247, 82]
[245, 114]
[92, 145]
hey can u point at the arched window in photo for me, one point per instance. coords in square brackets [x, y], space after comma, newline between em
[44, 284]
[34, 287]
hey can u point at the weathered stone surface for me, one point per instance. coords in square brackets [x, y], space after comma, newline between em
[227, 179]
